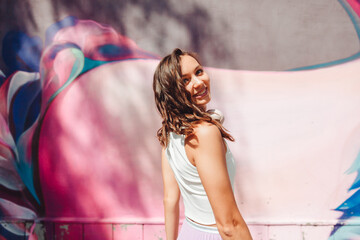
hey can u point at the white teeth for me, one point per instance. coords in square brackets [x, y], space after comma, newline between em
[201, 93]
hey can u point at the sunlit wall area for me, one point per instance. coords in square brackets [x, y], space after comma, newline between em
[79, 157]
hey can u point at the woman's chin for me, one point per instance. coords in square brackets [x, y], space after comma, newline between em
[203, 99]
[202, 104]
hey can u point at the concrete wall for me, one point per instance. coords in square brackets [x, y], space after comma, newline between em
[252, 35]
[79, 157]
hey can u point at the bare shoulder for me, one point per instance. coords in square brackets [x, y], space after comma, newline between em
[205, 129]
[204, 134]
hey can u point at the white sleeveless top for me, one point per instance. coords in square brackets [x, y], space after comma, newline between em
[196, 202]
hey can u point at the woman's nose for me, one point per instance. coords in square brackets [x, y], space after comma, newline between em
[197, 82]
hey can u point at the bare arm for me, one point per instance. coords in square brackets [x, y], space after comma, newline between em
[207, 149]
[171, 199]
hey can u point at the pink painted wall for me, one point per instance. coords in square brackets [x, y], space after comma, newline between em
[296, 134]
[80, 158]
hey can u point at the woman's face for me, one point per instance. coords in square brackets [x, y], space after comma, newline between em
[196, 81]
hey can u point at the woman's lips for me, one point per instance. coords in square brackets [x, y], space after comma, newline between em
[201, 94]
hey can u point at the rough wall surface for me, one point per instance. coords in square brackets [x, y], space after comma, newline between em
[251, 35]
[79, 157]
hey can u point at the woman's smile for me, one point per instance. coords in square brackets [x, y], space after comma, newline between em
[201, 94]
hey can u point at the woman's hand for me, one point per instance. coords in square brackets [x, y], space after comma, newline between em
[171, 199]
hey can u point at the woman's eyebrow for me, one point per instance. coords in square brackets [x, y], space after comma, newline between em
[197, 67]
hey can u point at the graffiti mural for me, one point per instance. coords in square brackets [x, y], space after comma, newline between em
[27, 99]
[78, 123]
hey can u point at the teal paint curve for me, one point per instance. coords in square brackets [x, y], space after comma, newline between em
[351, 15]
[347, 8]
[328, 64]
[75, 71]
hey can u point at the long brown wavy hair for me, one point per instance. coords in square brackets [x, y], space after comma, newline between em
[174, 103]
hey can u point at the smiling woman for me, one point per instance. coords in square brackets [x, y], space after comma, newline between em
[196, 161]
[182, 90]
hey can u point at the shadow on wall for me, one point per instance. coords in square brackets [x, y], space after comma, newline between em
[167, 25]
[122, 16]
[242, 34]
[45, 174]
[15, 17]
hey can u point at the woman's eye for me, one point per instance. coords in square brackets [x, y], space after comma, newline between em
[200, 71]
[186, 80]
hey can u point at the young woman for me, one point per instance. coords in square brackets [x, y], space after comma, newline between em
[196, 161]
